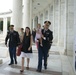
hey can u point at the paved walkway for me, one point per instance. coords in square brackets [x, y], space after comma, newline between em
[57, 65]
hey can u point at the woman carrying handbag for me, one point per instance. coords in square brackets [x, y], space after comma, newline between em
[26, 48]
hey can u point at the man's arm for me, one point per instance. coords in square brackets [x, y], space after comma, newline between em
[51, 37]
[18, 39]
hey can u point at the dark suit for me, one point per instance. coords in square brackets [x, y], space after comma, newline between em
[43, 51]
[13, 42]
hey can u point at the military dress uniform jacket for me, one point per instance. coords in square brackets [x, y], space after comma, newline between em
[48, 34]
[13, 37]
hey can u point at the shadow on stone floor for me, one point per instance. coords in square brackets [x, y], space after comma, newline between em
[47, 72]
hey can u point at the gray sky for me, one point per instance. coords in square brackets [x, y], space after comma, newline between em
[5, 5]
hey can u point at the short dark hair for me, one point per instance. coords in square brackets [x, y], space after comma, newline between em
[11, 25]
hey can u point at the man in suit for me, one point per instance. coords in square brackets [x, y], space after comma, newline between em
[47, 37]
[13, 37]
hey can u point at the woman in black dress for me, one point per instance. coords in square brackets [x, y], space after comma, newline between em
[26, 48]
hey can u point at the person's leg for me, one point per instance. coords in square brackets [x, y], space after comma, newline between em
[22, 66]
[14, 54]
[45, 57]
[41, 42]
[40, 54]
[49, 49]
[28, 60]
[37, 44]
[34, 39]
[11, 56]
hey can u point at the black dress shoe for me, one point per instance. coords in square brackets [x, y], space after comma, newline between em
[38, 70]
[21, 71]
[15, 62]
[45, 67]
[10, 63]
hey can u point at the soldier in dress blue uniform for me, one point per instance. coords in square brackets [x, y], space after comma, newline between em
[47, 37]
[13, 37]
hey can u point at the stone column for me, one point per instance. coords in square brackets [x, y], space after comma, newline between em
[74, 50]
[33, 22]
[46, 14]
[26, 15]
[43, 16]
[4, 26]
[70, 27]
[31, 13]
[49, 12]
[62, 23]
[65, 26]
[17, 14]
[55, 4]
[53, 16]
[39, 18]
[59, 22]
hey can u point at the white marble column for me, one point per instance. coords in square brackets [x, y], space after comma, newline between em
[65, 26]
[26, 16]
[17, 14]
[33, 22]
[55, 4]
[74, 50]
[39, 18]
[31, 13]
[49, 12]
[43, 16]
[4, 26]
[46, 15]
[53, 16]
[70, 27]
[59, 21]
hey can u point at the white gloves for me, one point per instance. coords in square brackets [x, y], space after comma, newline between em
[44, 38]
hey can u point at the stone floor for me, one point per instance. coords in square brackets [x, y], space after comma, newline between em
[57, 65]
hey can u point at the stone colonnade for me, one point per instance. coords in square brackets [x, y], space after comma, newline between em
[61, 15]
[59, 12]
